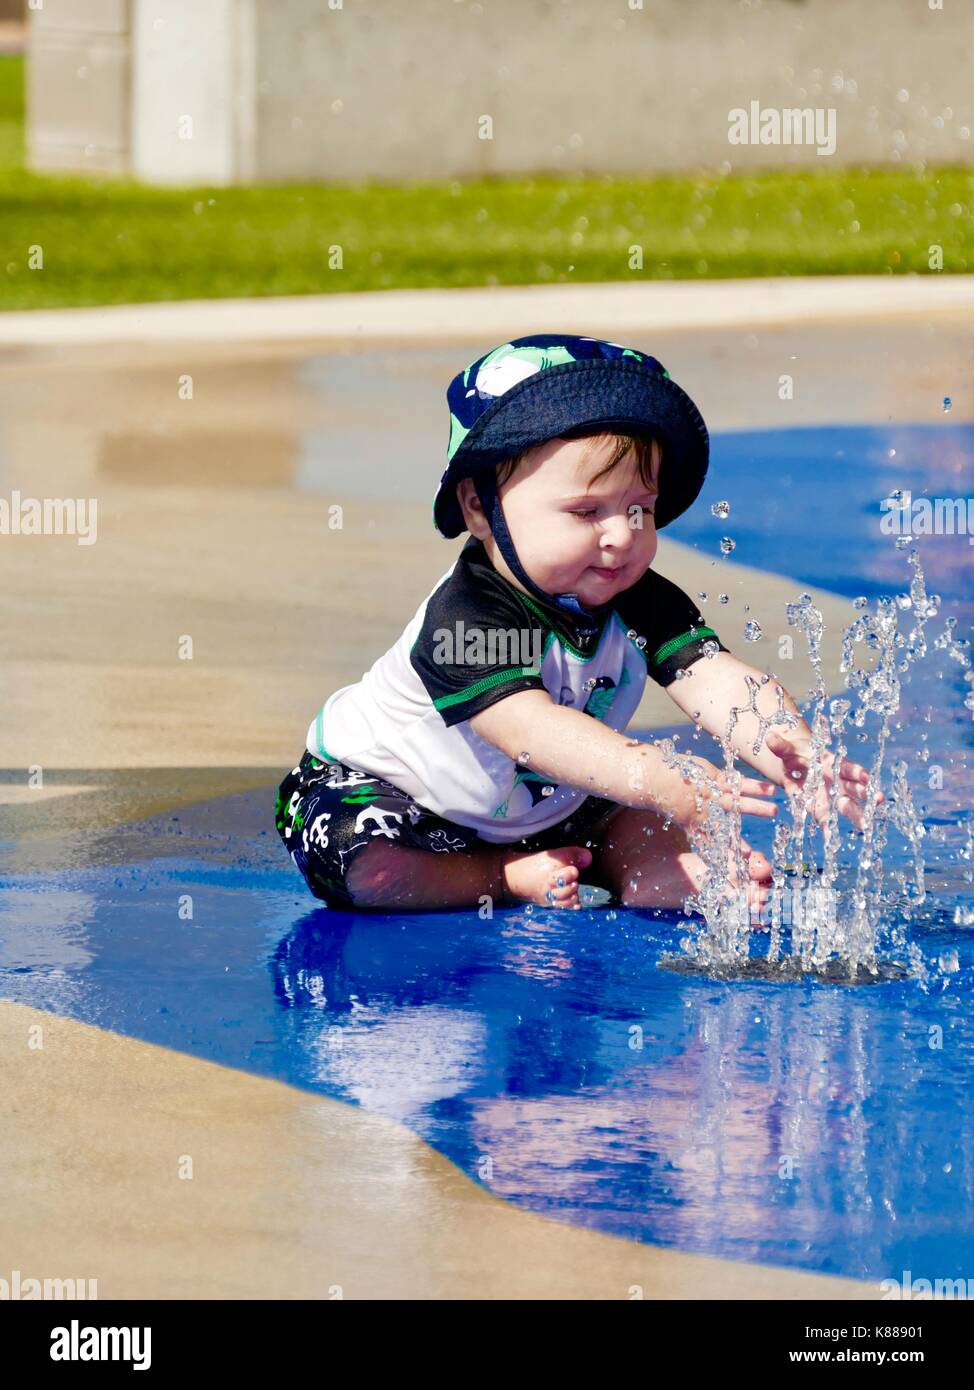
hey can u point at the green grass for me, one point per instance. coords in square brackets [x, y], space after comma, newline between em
[109, 241]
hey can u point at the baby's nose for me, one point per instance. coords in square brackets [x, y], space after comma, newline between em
[617, 531]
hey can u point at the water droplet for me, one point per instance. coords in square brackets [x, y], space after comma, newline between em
[720, 509]
[524, 757]
[860, 603]
[702, 596]
[902, 542]
[949, 963]
[727, 545]
[722, 598]
[710, 649]
[632, 634]
[896, 497]
[752, 631]
[947, 404]
[904, 601]
[547, 791]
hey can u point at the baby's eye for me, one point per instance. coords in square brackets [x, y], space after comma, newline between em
[591, 512]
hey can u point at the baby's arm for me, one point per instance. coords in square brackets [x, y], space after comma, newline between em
[716, 686]
[786, 753]
[569, 746]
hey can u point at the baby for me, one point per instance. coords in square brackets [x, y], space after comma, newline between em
[484, 755]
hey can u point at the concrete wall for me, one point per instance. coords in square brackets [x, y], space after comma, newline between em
[427, 89]
[193, 90]
[78, 86]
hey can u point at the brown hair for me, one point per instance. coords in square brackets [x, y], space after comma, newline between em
[640, 444]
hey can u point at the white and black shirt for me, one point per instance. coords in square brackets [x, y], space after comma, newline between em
[476, 639]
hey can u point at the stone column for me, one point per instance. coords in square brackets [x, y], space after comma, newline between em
[78, 86]
[193, 91]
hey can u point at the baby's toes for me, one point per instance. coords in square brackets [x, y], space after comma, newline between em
[757, 896]
[563, 888]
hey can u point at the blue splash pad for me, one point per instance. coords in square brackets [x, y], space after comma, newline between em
[545, 1054]
[802, 1124]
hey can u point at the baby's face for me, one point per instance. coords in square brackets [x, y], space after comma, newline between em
[575, 534]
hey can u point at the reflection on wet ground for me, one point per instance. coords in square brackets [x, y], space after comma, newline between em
[545, 1054]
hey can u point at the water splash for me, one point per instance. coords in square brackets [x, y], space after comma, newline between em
[857, 932]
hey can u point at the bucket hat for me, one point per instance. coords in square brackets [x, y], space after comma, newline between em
[546, 385]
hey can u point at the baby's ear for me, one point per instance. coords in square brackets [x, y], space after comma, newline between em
[473, 512]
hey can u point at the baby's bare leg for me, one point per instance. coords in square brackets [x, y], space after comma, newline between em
[648, 866]
[386, 875]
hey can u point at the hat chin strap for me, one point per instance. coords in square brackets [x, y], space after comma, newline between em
[491, 503]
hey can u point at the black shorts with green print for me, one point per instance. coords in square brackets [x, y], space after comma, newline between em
[326, 814]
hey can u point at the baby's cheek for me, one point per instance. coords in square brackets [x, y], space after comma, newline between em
[567, 545]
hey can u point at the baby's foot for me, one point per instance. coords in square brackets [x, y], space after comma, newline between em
[667, 881]
[548, 876]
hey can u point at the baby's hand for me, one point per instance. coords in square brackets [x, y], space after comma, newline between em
[718, 787]
[796, 754]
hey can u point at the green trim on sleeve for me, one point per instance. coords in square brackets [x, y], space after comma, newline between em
[695, 634]
[319, 738]
[488, 683]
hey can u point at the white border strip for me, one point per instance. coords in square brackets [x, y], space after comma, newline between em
[498, 313]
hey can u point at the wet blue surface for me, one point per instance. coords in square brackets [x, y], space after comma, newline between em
[805, 1125]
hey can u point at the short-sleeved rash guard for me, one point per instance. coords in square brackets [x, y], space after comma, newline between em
[474, 640]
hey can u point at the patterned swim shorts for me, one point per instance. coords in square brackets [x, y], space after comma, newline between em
[326, 813]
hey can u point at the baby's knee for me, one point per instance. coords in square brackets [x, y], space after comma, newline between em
[373, 878]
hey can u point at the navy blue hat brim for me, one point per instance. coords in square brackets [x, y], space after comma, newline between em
[586, 397]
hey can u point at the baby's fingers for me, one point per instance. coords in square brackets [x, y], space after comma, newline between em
[749, 786]
[751, 806]
[851, 810]
[859, 791]
[852, 772]
[856, 790]
[754, 786]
